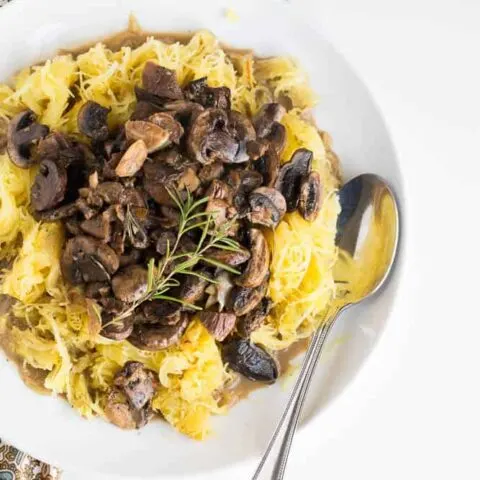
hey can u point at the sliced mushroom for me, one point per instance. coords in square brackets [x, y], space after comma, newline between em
[220, 146]
[109, 192]
[49, 187]
[222, 213]
[161, 82]
[211, 172]
[60, 149]
[56, 214]
[165, 241]
[227, 257]
[310, 197]
[92, 121]
[220, 191]
[254, 319]
[269, 166]
[130, 284]
[119, 411]
[154, 137]
[210, 97]
[220, 325]
[158, 337]
[163, 312]
[169, 124]
[23, 133]
[250, 360]
[115, 329]
[132, 160]
[88, 260]
[182, 110]
[267, 207]
[143, 109]
[291, 174]
[193, 287]
[257, 148]
[257, 267]
[244, 181]
[244, 300]
[99, 227]
[266, 117]
[241, 129]
[205, 123]
[137, 383]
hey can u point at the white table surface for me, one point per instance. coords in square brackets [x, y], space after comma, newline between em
[413, 412]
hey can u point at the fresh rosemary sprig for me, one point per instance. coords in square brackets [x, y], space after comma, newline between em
[161, 276]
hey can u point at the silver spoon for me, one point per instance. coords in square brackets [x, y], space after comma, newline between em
[367, 237]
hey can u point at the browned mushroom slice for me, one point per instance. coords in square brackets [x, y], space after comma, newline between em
[56, 214]
[222, 213]
[169, 124]
[116, 329]
[267, 207]
[98, 227]
[219, 190]
[211, 172]
[227, 257]
[310, 197]
[132, 160]
[60, 149]
[88, 260]
[98, 290]
[220, 146]
[220, 325]
[165, 241]
[291, 174]
[257, 267]
[193, 287]
[241, 129]
[92, 121]
[250, 360]
[210, 97]
[49, 187]
[182, 110]
[266, 117]
[161, 81]
[244, 180]
[130, 284]
[137, 383]
[143, 109]
[154, 136]
[119, 411]
[158, 337]
[254, 319]
[205, 123]
[109, 192]
[163, 312]
[23, 133]
[269, 166]
[257, 148]
[244, 300]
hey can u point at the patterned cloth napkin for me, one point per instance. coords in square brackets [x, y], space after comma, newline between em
[15, 465]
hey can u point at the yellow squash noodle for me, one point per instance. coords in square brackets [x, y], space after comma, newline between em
[48, 328]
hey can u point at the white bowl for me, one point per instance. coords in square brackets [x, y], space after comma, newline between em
[47, 427]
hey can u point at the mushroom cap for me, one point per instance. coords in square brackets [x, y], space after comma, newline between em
[291, 176]
[161, 82]
[244, 300]
[49, 187]
[268, 206]
[130, 284]
[219, 324]
[257, 267]
[158, 337]
[22, 133]
[310, 200]
[92, 120]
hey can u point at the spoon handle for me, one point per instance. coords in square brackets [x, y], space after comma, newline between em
[281, 441]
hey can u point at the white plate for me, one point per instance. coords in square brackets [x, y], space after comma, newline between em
[47, 427]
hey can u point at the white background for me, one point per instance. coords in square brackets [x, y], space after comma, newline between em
[413, 412]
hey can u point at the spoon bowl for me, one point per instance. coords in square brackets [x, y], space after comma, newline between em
[367, 239]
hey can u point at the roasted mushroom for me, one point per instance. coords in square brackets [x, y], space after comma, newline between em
[122, 414]
[88, 260]
[99, 227]
[169, 124]
[227, 257]
[310, 197]
[130, 284]
[257, 267]
[267, 125]
[211, 120]
[158, 337]
[250, 360]
[254, 319]
[210, 97]
[49, 187]
[60, 149]
[162, 312]
[116, 329]
[267, 207]
[241, 129]
[211, 172]
[220, 190]
[244, 300]
[23, 133]
[92, 121]
[291, 175]
[193, 287]
[220, 325]
[269, 166]
[137, 383]
[161, 82]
